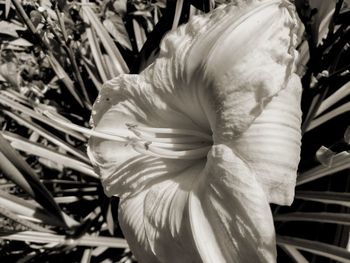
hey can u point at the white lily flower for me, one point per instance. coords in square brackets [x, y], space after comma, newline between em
[199, 143]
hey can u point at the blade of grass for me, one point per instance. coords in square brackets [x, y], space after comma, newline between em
[49, 136]
[72, 199]
[33, 114]
[294, 253]
[325, 197]
[32, 210]
[75, 194]
[7, 7]
[25, 145]
[25, 173]
[109, 219]
[96, 82]
[11, 172]
[27, 258]
[98, 251]
[69, 182]
[64, 77]
[14, 96]
[329, 251]
[96, 52]
[334, 98]
[32, 226]
[106, 40]
[86, 258]
[340, 162]
[321, 217]
[328, 116]
[177, 15]
[139, 33]
[111, 71]
[77, 191]
[88, 221]
[86, 240]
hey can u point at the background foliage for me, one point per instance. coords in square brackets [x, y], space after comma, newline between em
[55, 55]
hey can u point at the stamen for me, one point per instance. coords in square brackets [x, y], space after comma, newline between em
[166, 148]
[84, 130]
[163, 153]
[178, 146]
[169, 131]
[175, 140]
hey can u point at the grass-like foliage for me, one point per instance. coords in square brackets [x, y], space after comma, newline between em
[55, 56]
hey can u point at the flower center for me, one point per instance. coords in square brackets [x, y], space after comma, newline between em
[159, 142]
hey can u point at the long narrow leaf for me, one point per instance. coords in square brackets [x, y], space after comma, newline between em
[41, 151]
[88, 241]
[177, 15]
[10, 171]
[325, 197]
[32, 226]
[37, 190]
[54, 139]
[140, 37]
[294, 254]
[32, 210]
[107, 41]
[62, 75]
[330, 251]
[15, 96]
[328, 116]
[86, 258]
[322, 217]
[7, 7]
[340, 162]
[31, 113]
[72, 199]
[94, 79]
[96, 52]
[111, 70]
[334, 98]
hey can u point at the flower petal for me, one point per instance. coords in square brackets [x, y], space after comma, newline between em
[230, 216]
[130, 217]
[188, 217]
[161, 226]
[271, 145]
[129, 99]
[132, 99]
[166, 217]
[250, 56]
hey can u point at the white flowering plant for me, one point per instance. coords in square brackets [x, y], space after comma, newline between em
[174, 131]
